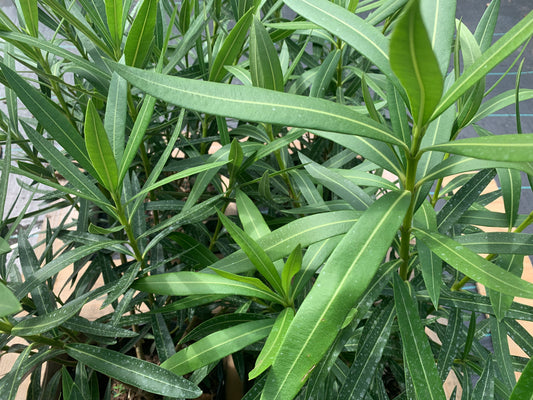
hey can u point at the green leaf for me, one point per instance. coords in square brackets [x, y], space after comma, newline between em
[43, 323]
[325, 74]
[451, 342]
[500, 343]
[14, 377]
[231, 49]
[113, 9]
[500, 50]
[513, 147]
[96, 328]
[257, 255]
[31, 18]
[55, 122]
[463, 199]
[265, 68]
[474, 266]
[291, 268]
[498, 242]
[9, 304]
[273, 343]
[132, 371]
[4, 246]
[416, 350]
[430, 264]
[360, 35]
[343, 280]
[256, 104]
[115, 115]
[162, 338]
[196, 252]
[413, 61]
[511, 184]
[369, 351]
[141, 34]
[500, 101]
[258, 283]
[217, 345]
[282, 241]
[484, 388]
[524, 388]
[99, 149]
[514, 264]
[439, 17]
[194, 283]
[342, 187]
[398, 114]
[485, 28]
[251, 218]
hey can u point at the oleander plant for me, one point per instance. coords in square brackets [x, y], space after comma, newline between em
[269, 199]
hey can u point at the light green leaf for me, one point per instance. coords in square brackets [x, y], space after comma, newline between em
[485, 28]
[113, 9]
[31, 18]
[115, 115]
[439, 19]
[513, 147]
[474, 266]
[250, 280]
[360, 35]
[4, 246]
[343, 280]
[257, 255]
[498, 242]
[325, 74]
[251, 218]
[500, 50]
[231, 49]
[511, 185]
[196, 283]
[500, 101]
[282, 241]
[416, 350]
[99, 149]
[132, 371]
[141, 34]
[413, 61]
[10, 304]
[291, 268]
[256, 104]
[273, 343]
[217, 345]
[265, 68]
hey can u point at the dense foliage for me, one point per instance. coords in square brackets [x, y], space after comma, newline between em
[274, 185]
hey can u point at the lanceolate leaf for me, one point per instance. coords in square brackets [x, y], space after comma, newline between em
[30, 12]
[55, 123]
[273, 343]
[362, 36]
[256, 104]
[141, 34]
[132, 371]
[475, 266]
[439, 19]
[113, 9]
[343, 280]
[99, 149]
[115, 115]
[217, 345]
[524, 388]
[414, 63]
[416, 350]
[500, 50]
[194, 283]
[511, 184]
[514, 148]
[9, 304]
[485, 386]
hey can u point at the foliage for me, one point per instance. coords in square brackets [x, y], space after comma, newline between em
[151, 121]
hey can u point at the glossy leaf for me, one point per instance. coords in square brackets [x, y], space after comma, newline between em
[511, 184]
[415, 64]
[524, 388]
[273, 343]
[115, 116]
[491, 57]
[291, 268]
[439, 19]
[251, 218]
[195, 283]
[141, 34]
[99, 149]
[416, 350]
[96, 328]
[514, 264]
[511, 147]
[484, 388]
[333, 295]
[113, 9]
[217, 345]
[31, 18]
[475, 266]
[498, 242]
[502, 355]
[256, 104]
[451, 343]
[132, 371]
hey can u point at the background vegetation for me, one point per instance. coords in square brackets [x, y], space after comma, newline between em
[285, 194]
